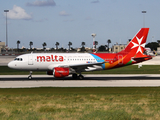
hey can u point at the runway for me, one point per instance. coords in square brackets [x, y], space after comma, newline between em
[110, 80]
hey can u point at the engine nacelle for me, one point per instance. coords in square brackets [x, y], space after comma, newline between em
[60, 72]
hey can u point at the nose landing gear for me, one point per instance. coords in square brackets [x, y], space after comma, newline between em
[30, 75]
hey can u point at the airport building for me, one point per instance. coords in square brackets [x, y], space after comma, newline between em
[2, 45]
[158, 50]
[118, 47]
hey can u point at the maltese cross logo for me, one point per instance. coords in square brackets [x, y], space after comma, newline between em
[139, 45]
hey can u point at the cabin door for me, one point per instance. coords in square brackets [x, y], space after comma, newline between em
[30, 60]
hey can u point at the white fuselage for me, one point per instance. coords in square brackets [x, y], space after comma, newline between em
[47, 61]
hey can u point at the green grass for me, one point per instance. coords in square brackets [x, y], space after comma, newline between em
[80, 103]
[132, 69]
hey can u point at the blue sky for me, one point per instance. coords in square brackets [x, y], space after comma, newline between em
[62, 21]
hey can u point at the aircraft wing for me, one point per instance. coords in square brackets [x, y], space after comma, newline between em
[86, 64]
[79, 67]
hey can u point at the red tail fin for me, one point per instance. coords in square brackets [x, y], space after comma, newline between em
[137, 44]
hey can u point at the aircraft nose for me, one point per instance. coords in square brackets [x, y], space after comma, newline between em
[11, 65]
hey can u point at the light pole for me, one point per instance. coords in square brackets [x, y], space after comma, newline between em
[6, 28]
[144, 17]
[93, 35]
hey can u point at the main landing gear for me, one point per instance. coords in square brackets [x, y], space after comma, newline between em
[30, 75]
[75, 76]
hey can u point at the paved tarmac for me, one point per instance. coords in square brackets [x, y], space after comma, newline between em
[4, 60]
[140, 80]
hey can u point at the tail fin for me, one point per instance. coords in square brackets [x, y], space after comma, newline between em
[137, 45]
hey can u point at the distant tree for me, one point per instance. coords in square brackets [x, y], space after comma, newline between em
[18, 42]
[73, 49]
[62, 49]
[158, 42]
[57, 44]
[52, 49]
[83, 48]
[69, 44]
[108, 41]
[83, 44]
[95, 43]
[102, 48]
[129, 40]
[152, 45]
[30, 44]
[44, 44]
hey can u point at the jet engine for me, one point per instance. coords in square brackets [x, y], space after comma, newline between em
[59, 72]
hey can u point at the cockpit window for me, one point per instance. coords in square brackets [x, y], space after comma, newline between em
[18, 59]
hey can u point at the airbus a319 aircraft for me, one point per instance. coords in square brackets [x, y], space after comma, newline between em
[63, 64]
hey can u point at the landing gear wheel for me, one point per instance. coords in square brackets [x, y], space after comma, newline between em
[30, 75]
[81, 77]
[74, 76]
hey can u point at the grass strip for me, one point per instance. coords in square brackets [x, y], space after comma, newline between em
[133, 103]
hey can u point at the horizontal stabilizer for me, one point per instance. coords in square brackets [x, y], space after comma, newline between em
[141, 58]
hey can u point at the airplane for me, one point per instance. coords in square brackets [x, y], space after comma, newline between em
[63, 64]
